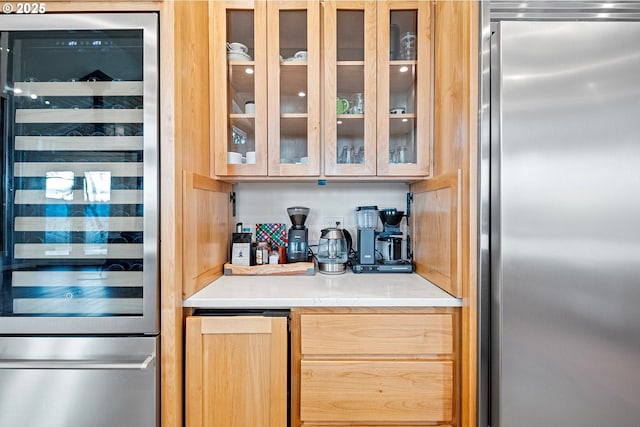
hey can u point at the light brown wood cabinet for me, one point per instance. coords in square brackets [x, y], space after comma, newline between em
[278, 75]
[377, 88]
[444, 213]
[236, 371]
[368, 366]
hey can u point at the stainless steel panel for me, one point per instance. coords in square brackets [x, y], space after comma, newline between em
[484, 220]
[566, 224]
[564, 10]
[79, 382]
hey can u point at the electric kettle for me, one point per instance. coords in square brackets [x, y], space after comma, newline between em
[333, 251]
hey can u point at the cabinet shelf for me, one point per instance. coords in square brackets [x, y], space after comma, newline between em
[293, 125]
[293, 63]
[350, 76]
[295, 77]
[239, 79]
[350, 126]
[112, 88]
[402, 81]
[79, 143]
[97, 115]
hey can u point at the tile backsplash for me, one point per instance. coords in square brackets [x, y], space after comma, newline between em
[268, 202]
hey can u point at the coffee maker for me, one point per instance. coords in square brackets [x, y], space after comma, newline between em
[298, 247]
[390, 239]
[380, 251]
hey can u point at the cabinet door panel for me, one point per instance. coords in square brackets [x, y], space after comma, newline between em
[379, 334]
[437, 225]
[238, 64]
[236, 372]
[206, 231]
[294, 87]
[376, 391]
[404, 88]
[349, 87]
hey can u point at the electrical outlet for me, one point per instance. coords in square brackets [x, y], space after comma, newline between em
[330, 221]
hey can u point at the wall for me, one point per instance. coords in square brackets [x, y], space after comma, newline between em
[268, 202]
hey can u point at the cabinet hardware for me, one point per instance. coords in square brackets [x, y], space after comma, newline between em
[232, 199]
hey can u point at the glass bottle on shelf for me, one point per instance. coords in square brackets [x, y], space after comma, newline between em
[350, 88]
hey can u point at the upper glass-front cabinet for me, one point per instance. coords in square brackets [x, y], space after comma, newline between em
[294, 87]
[377, 88]
[265, 88]
[350, 88]
[404, 88]
[238, 51]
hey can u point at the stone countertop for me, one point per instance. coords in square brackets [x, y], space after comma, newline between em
[344, 290]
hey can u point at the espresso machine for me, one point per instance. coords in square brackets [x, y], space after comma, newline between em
[380, 251]
[298, 246]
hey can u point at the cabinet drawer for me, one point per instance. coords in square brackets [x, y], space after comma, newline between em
[375, 391]
[372, 425]
[384, 334]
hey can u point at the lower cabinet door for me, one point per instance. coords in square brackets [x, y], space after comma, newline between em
[236, 371]
[398, 391]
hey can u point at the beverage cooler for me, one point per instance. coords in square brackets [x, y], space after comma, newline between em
[79, 284]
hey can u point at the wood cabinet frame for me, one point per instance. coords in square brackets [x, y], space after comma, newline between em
[331, 165]
[437, 225]
[312, 167]
[219, 88]
[206, 230]
[236, 371]
[424, 96]
[429, 345]
[455, 25]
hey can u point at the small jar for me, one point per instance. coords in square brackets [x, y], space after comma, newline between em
[402, 154]
[273, 257]
[262, 253]
[282, 254]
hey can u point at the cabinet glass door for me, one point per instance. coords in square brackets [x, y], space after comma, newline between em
[238, 87]
[294, 88]
[404, 76]
[350, 88]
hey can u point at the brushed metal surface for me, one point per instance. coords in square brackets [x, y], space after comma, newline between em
[79, 381]
[566, 224]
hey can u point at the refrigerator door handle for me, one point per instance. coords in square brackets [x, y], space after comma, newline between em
[147, 363]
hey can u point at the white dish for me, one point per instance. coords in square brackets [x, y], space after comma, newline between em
[237, 47]
[234, 158]
[238, 56]
[251, 157]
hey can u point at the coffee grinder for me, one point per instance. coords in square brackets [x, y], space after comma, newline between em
[298, 247]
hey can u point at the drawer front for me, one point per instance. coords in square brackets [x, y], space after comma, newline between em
[384, 334]
[376, 391]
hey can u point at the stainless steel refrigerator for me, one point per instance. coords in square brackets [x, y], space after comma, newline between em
[561, 215]
[79, 324]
